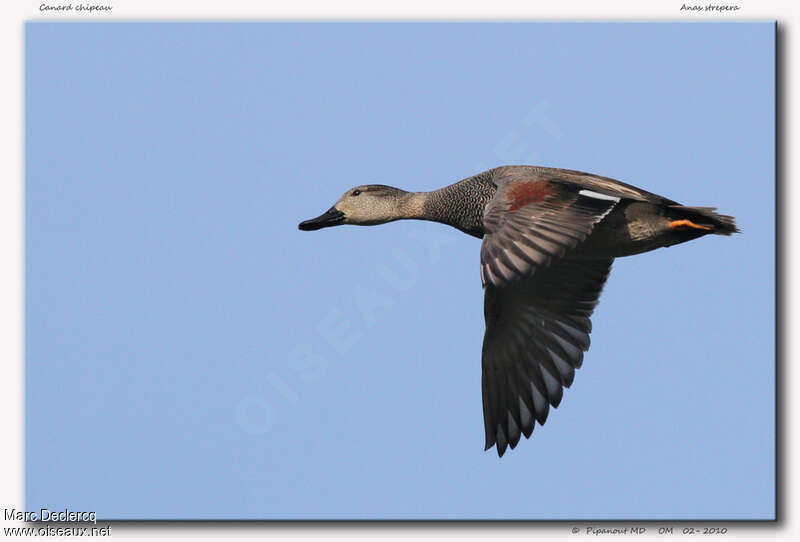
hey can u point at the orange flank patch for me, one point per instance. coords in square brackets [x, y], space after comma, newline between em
[675, 224]
[522, 194]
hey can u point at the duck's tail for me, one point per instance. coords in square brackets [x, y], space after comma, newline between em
[705, 218]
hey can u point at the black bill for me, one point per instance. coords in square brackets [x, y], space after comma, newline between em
[331, 217]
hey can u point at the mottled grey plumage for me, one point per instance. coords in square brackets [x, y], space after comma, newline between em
[549, 239]
[462, 204]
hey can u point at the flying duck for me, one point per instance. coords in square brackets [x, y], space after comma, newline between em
[549, 238]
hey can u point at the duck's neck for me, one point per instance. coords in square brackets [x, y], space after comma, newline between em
[412, 205]
[459, 205]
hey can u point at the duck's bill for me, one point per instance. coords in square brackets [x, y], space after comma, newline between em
[331, 217]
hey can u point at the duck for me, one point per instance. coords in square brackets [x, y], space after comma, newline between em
[549, 237]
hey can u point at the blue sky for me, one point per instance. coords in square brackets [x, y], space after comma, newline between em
[191, 354]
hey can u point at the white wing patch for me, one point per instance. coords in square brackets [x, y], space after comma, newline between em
[597, 195]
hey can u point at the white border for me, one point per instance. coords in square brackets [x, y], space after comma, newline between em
[11, 229]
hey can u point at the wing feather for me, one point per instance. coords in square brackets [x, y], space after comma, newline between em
[537, 330]
[531, 223]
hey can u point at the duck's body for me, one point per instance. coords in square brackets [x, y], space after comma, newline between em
[549, 237]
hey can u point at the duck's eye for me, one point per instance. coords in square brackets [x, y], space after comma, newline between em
[356, 192]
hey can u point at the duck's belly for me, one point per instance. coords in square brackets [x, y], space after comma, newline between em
[631, 228]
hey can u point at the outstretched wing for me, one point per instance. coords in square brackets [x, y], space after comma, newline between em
[539, 296]
[531, 223]
[537, 330]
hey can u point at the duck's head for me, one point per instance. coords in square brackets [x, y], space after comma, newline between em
[364, 205]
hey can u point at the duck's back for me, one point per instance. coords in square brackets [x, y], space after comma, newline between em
[588, 181]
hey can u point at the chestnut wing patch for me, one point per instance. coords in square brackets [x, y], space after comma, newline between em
[525, 193]
[530, 224]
